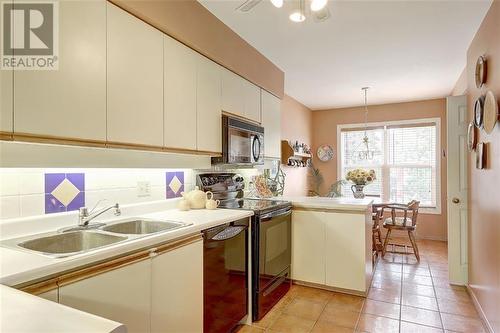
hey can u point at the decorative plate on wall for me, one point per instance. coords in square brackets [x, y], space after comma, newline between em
[490, 112]
[325, 153]
[471, 137]
[481, 71]
[479, 112]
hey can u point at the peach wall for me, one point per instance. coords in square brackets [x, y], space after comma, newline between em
[296, 121]
[461, 85]
[484, 193]
[431, 226]
[192, 24]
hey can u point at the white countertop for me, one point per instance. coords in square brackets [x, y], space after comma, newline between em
[19, 266]
[338, 204]
[25, 313]
[22, 312]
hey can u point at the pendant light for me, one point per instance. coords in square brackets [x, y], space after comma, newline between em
[317, 5]
[364, 152]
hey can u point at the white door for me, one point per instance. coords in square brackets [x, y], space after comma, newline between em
[134, 81]
[252, 101]
[271, 120]
[456, 114]
[6, 82]
[177, 290]
[69, 102]
[308, 246]
[208, 106]
[122, 295]
[233, 94]
[180, 95]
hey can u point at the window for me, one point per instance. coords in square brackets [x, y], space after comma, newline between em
[405, 159]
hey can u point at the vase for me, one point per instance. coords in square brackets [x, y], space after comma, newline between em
[357, 191]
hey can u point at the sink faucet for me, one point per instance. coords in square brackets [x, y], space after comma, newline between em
[84, 216]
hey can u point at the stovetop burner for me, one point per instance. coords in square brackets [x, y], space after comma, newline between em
[228, 188]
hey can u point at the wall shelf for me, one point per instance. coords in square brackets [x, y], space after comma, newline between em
[288, 153]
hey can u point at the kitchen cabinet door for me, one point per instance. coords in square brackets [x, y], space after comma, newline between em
[177, 285]
[208, 105]
[308, 250]
[180, 95]
[252, 101]
[69, 102]
[233, 93]
[346, 249]
[271, 121]
[122, 295]
[135, 80]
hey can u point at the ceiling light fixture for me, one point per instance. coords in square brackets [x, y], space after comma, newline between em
[277, 3]
[317, 5]
[299, 14]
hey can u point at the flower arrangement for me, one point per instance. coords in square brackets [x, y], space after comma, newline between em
[361, 176]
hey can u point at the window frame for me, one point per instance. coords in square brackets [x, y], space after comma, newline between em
[384, 125]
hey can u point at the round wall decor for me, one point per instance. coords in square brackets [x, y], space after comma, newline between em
[490, 112]
[471, 137]
[481, 70]
[479, 112]
[325, 153]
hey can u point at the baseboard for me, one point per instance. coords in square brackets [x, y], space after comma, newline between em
[335, 289]
[479, 309]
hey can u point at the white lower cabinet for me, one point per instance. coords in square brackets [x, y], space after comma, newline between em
[122, 295]
[308, 246]
[6, 105]
[332, 249]
[177, 285]
[163, 293]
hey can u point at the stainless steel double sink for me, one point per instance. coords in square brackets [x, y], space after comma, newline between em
[69, 243]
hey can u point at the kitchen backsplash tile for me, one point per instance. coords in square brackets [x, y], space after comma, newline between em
[64, 192]
[175, 184]
[30, 191]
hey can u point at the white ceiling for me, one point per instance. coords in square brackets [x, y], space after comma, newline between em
[404, 50]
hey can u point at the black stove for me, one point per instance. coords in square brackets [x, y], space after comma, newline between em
[271, 238]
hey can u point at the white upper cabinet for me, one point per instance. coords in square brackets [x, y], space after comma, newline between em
[122, 295]
[177, 290]
[252, 101]
[233, 96]
[240, 97]
[208, 105]
[71, 101]
[6, 124]
[135, 80]
[180, 95]
[271, 121]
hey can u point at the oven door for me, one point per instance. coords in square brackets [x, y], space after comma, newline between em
[272, 280]
[275, 253]
[239, 146]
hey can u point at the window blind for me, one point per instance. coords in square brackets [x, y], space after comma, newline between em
[404, 161]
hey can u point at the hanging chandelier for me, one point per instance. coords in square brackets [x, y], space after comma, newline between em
[364, 152]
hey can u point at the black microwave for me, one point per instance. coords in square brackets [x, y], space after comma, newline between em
[242, 143]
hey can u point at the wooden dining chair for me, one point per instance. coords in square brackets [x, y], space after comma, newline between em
[377, 216]
[403, 217]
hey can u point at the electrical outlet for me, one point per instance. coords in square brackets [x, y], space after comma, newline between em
[143, 188]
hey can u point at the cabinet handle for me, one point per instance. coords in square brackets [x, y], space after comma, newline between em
[152, 254]
[455, 200]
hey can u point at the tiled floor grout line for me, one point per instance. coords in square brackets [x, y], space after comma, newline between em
[435, 297]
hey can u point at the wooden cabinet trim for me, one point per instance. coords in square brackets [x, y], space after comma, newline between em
[106, 266]
[48, 139]
[225, 113]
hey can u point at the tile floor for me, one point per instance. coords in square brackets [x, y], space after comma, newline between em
[405, 296]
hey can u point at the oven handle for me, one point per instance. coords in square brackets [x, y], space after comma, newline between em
[227, 233]
[269, 216]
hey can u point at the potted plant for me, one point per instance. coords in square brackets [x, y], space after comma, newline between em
[360, 178]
